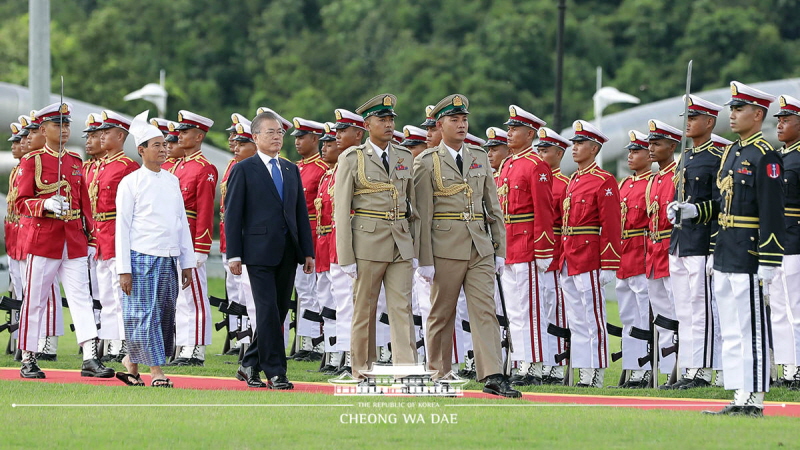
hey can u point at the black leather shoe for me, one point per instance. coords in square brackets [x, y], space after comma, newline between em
[738, 410]
[108, 358]
[695, 383]
[280, 383]
[94, 368]
[328, 369]
[178, 362]
[313, 356]
[526, 380]
[31, 370]
[250, 376]
[46, 357]
[301, 355]
[676, 385]
[498, 384]
[196, 362]
[641, 384]
[343, 370]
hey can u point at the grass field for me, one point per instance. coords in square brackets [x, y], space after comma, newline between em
[250, 419]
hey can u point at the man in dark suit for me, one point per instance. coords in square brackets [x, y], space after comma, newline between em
[267, 228]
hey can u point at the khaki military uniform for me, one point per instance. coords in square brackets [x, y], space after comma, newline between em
[371, 213]
[453, 238]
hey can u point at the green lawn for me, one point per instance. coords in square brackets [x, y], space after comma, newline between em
[249, 419]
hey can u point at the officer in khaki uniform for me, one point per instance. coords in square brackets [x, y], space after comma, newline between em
[454, 189]
[375, 181]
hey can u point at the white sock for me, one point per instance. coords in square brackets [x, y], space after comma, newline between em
[201, 352]
[557, 372]
[27, 356]
[116, 345]
[789, 371]
[186, 351]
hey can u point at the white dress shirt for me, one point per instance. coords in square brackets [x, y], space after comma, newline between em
[455, 153]
[377, 149]
[266, 159]
[151, 219]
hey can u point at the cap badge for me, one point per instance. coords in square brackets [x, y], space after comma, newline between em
[734, 91]
[542, 134]
[105, 116]
[180, 117]
[457, 101]
[239, 128]
[653, 126]
[171, 126]
[296, 123]
[578, 126]
[327, 128]
[632, 135]
[387, 101]
[64, 109]
[429, 111]
[783, 101]
[338, 115]
[406, 133]
[491, 134]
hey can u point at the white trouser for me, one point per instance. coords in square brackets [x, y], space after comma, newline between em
[326, 300]
[110, 296]
[662, 303]
[233, 294]
[498, 306]
[745, 337]
[342, 288]
[246, 297]
[692, 293]
[586, 309]
[463, 338]
[382, 331]
[193, 311]
[419, 331]
[41, 273]
[422, 291]
[305, 287]
[550, 286]
[528, 310]
[784, 303]
[634, 311]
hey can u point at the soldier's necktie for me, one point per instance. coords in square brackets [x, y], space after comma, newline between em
[385, 159]
[276, 177]
[460, 163]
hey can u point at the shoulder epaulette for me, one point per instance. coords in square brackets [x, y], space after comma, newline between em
[126, 160]
[427, 151]
[353, 148]
[562, 177]
[33, 153]
[602, 174]
[474, 147]
[319, 163]
[763, 145]
[716, 151]
[533, 157]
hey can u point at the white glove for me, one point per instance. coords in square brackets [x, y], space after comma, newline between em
[92, 251]
[57, 204]
[607, 276]
[688, 211]
[710, 266]
[767, 274]
[414, 263]
[426, 273]
[201, 258]
[543, 264]
[499, 264]
[351, 270]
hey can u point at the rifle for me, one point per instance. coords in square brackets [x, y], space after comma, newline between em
[614, 330]
[672, 325]
[682, 162]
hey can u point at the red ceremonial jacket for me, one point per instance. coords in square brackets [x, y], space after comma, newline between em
[634, 225]
[198, 179]
[103, 198]
[560, 182]
[660, 192]
[525, 189]
[311, 171]
[171, 164]
[325, 247]
[591, 218]
[223, 189]
[89, 168]
[38, 181]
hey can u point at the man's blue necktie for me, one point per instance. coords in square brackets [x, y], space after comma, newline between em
[276, 177]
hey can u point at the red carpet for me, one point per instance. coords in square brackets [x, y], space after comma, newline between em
[220, 383]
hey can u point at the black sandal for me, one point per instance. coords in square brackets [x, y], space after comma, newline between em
[130, 379]
[161, 382]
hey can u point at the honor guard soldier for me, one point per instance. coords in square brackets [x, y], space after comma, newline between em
[91, 166]
[376, 245]
[11, 223]
[690, 248]
[58, 204]
[198, 179]
[434, 135]
[525, 188]
[457, 200]
[551, 148]
[350, 131]
[239, 132]
[307, 134]
[103, 195]
[749, 248]
[414, 139]
[590, 253]
[785, 292]
[175, 153]
[54, 325]
[631, 287]
[323, 209]
[663, 140]
[497, 147]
